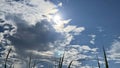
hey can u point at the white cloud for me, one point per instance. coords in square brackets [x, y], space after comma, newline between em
[114, 51]
[29, 13]
[86, 66]
[20, 65]
[87, 48]
[92, 41]
[78, 53]
[118, 37]
[1, 36]
[45, 54]
[60, 4]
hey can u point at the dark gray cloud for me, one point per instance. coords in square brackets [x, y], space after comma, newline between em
[32, 37]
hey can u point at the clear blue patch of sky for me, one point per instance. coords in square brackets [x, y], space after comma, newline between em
[93, 13]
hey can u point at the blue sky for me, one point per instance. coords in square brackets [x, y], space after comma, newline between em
[45, 29]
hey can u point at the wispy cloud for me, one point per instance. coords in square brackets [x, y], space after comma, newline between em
[79, 53]
[92, 41]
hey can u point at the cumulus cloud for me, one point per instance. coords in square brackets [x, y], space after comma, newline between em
[26, 17]
[27, 26]
[32, 30]
[115, 51]
[29, 10]
[38, 36]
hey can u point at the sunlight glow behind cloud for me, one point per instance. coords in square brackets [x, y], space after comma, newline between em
[57, 18]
